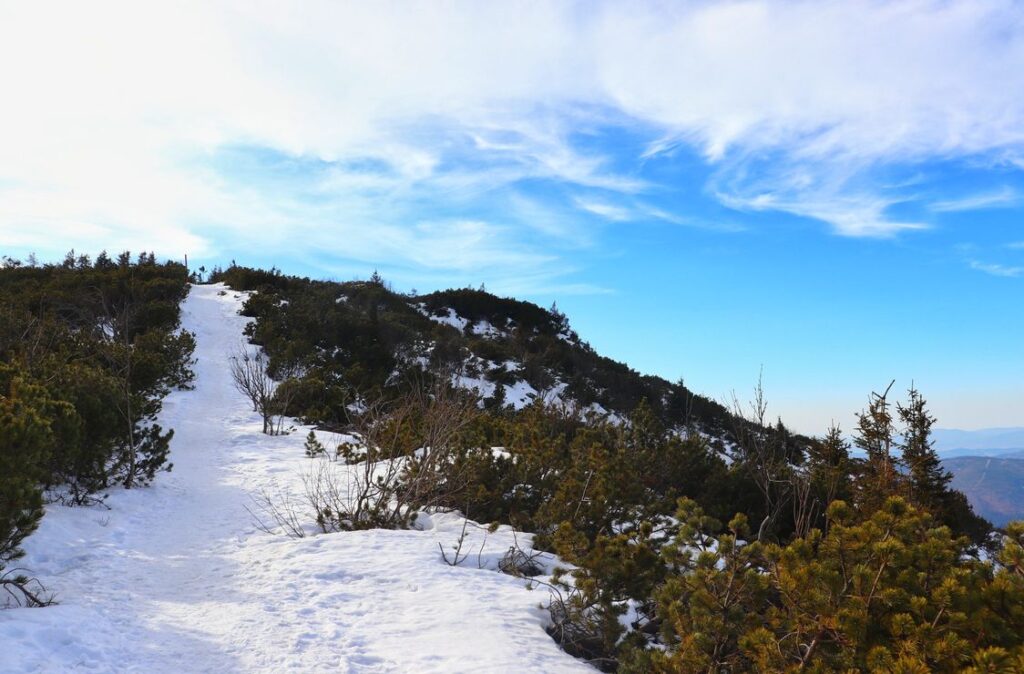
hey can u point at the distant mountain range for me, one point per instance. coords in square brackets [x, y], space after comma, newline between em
[987, 466]
[951, 442]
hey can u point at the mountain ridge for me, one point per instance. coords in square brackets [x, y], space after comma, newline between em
[359, 336]
[980, 442]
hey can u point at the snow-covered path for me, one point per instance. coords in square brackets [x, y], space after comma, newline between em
[176, 577]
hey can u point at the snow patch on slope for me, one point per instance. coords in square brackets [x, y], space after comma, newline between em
[451, 318]
[486, 330]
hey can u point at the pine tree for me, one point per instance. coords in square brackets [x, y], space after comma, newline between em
[875, 435]
[927, 481]
[313, 446]
[829, 466]
[103, 261]
[706, 606]
[25, 441]
[892, 592]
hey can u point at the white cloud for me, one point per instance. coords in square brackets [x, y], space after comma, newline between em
[840, 195]
[114, 110]
[604, 210]
[1001, 198]
[849, 214]
[856, 79]
[688, 221]
[997, 269]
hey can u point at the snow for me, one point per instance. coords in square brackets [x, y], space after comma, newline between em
[511, 365]
[520, 394]
[106, 328]
[555, 395]
[178, 578]
[485, 329]
[451, 318]
[483, 388]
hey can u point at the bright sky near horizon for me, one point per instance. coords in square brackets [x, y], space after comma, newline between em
[833, 191]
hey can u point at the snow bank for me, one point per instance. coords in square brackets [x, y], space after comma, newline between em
[177, 577]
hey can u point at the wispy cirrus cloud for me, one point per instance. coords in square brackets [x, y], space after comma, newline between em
[383, 117]
[604, 209]
[1004, 197]
[851, 202]
[995, 269]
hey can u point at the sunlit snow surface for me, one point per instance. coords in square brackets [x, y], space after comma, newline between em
[176, 577]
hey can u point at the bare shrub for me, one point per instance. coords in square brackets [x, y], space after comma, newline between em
[252, 379]
[405, 451]
[249, 374]
[284, 395]
[521, 563]
[806, 507]
[579, 625]
[761, 452]
[280, 508]
[348, 498]
[399, 463]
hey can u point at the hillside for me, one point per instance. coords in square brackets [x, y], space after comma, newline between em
[350, 341]
[358, 337]
[994, 485]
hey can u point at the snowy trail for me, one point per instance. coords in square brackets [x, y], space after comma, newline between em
[176, 578]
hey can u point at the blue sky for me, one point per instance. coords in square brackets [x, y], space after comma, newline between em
[832, 192]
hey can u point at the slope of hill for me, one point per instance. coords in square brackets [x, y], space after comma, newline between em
[993, 485]
[178, 577]
[360, 336]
